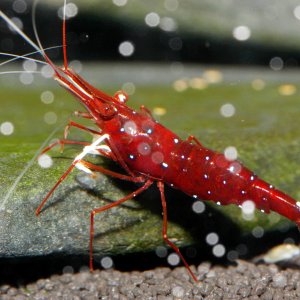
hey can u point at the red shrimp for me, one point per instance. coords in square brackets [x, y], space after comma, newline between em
[151, 153]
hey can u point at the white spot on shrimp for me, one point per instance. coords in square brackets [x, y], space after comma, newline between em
[131, 156]
[7, 128]
[224, 181]
[243, 192]
[149, 130]
[271, 186]
[157, 157]
[198, 207]
[45, 161]
[219, 250]
[126, 48]
[262, 210]
[209, 192]
[47, 97]
[122, 129]
[173, 259]
[298, 203]
[205, 176]
[195, 196]
[144, 148]
[176, 141]
[212, 238]
[218, 203]
[231, 153]
[252, 177]
[130, 127]
[235, 168]
[121, 96]
[182, 156]
[165, 165]
[207, 157]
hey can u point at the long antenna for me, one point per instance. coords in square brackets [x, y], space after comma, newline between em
[64, 37]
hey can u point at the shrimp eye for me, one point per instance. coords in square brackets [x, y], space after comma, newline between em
[107, 111]
[121, 96]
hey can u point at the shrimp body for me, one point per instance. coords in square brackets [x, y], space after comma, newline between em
[150, 153]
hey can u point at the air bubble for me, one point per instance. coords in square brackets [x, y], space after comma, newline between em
[218, 250]
[45, 161]
[198, 207]
[26, 78]
[29, 65]
[50, 117]
[144, 148]
[130, 127]
[152, 19]
[129, 88]
[276, 63]
[161, 251]
[7, 128]
[106, 262]
[231, 153]
[212, 238]
[168, 24]
[258, 232]
[157, 157]
[47, 71]
[47, 97]
[120, 2]
[19, 6]
[173, 259]
[126, 48]
[227, 110]
[241, 33]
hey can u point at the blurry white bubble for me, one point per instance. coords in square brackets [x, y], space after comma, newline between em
[68, 270]
[227, 110]
[71, 10]
[47, 71]
[47, 97]
[168, 24]
[130, 127]
[248, 207]
[241, 33]
[297, 12]
[29, 65]
[212, 238]
[129, 88]
[126, 48]
[178, 292]
[144, 148]
[235, 168]
[218, 250]
[232, 255]
[276, 63]
[175, 43]
[120, 2]
[198, 207]
[231, 153]
[106, 262]
[180, 85]
[157, 157]
[50, 117]
[171, 5]
[19, 6]
[76, 65]
[173, 259]
[18, 22]
[161, 251]
[26, 78]
[7, 128]
[152, 19]
[258, 232]
[45, 161]
[258, 84]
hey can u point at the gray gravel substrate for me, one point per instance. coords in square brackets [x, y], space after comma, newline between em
[242, 281]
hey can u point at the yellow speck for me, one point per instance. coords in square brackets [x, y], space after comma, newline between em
[198, 83]
[159, 111]
[287, 89]
[213, 76]
[180, 85]
[258, 84]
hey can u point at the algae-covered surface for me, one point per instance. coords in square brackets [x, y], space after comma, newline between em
[264, 129]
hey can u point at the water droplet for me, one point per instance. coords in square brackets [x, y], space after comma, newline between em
[168, 24]
[29, 65]
[129, 88]
[258, 232]
[248, 207]
[19, 6]
[50, 117]
[231, 153]
[47, 71]
[26, 78]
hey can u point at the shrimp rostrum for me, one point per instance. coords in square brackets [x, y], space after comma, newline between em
[152, 154]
